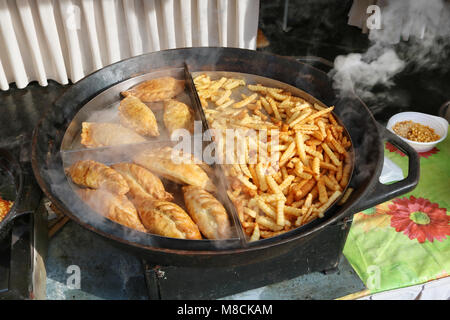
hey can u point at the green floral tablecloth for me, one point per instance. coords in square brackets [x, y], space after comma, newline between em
[406, 241]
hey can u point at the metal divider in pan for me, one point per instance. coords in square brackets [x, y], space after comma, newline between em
[255, 79]
[218, 169]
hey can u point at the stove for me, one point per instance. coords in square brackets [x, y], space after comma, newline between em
[32, 266]
[23, 249]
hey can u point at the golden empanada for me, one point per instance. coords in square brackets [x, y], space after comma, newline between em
[156, 89]
[142, 182]
[137, 116]
[207, 212]
[178, 169]
[167, 219]
[96, 175]
[115, 207]
[177, 115]
[98, 134]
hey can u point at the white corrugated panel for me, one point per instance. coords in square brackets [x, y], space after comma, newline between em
[64, 40]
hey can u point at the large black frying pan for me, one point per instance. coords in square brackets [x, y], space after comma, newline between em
[367, 136]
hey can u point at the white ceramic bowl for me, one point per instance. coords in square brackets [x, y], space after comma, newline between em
[440, 126]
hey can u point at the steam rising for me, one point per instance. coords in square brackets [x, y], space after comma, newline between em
[414, 36]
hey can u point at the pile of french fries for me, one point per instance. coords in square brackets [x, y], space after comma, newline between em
[293, 175]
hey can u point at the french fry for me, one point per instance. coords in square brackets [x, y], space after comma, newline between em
[256, 234]
[245, 101]
[305, 189]
[225, 96]
[328, 166]
[268, 223]
[304, 175]
[330, 184]
[293, 211]
[250, 212]
[300, 118]
[261, 177]
[266, 105]
[251, 168]
[271, 197]
[286, 182]
[273, 105]
[346, 195]
[345, 175]
[247, 183]
[330, 153]
[316, 167]
[273, 185]
[300, 147]
[323, 196]
[338, 146]
[327, 204]
[288, 153]
[268, 210]
[280, 212]
[288, 176]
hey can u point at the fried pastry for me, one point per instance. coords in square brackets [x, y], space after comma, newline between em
[156, 89]
[115, 207]
[142, 183]
[167, 219]
[177, 115]
[97, 134]
[136, 115]
[96, 175]
[207, 212]
[179, 170]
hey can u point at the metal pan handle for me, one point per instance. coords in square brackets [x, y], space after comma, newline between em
[382, 192]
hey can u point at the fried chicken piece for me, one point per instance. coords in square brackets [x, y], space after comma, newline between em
[137, 116]
[97, 134]
[115, 207]
[142, 183]
[167, 219]
[207, 212]
[96, 175]
[178, 115]
[158, 89]
[177, 169]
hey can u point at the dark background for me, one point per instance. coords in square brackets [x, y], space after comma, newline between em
[319, 28]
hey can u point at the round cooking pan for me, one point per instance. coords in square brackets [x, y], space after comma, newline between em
[11, 182]
[367, 136]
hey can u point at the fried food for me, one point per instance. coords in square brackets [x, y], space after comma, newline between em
[177, 168]
[178, 115]
[5, 206]
[167, 219]
[97, 134]
[96, 175]
[137, 116]
[207, 212]
[142, 183]
[115, 207]
[291, 175]
[156, 89]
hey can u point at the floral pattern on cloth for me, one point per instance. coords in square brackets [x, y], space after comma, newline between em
[425, 154]
[406, 241]
[419, 219]
[375, 217]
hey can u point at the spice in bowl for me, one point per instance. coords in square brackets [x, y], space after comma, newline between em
[4, 208]
[415, 131]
